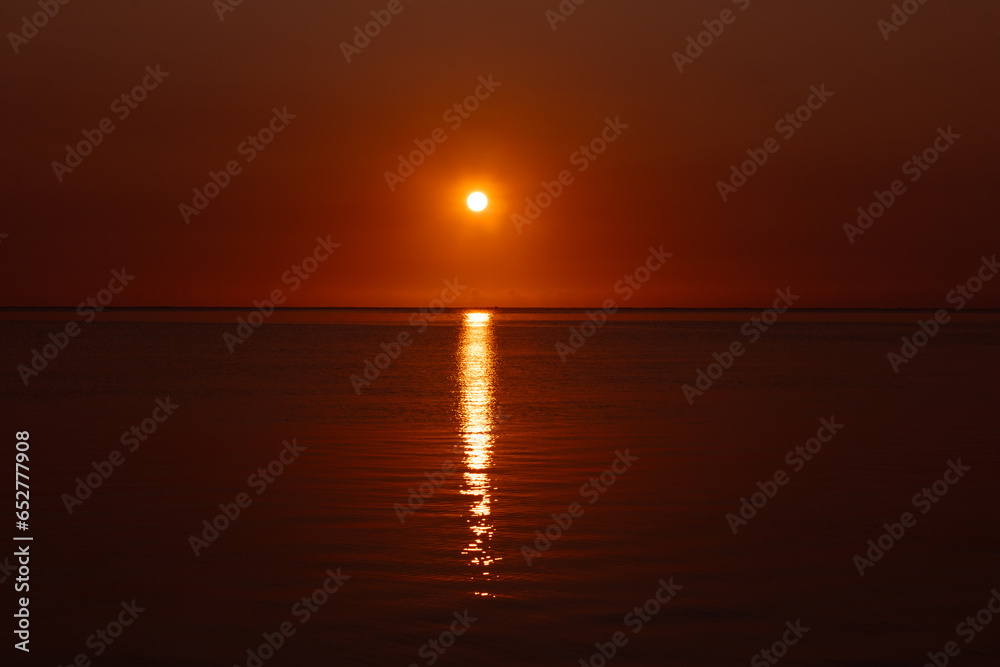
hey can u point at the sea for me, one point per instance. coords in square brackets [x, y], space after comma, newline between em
[503, 487]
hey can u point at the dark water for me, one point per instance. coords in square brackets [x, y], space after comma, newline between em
[524, 432]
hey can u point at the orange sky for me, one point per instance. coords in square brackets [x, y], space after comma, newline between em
[655, 184]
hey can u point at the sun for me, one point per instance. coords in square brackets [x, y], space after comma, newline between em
[477, 201]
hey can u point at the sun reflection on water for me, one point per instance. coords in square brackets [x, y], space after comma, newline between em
[477, 411]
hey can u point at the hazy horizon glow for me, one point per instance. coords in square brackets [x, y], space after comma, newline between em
[593, 115]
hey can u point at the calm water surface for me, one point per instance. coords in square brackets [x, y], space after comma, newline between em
[484, 405]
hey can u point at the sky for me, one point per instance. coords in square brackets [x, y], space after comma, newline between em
[346, 114]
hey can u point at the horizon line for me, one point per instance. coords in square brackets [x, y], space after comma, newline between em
[508, 308]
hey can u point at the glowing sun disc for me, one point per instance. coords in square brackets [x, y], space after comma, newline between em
[477, 201]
